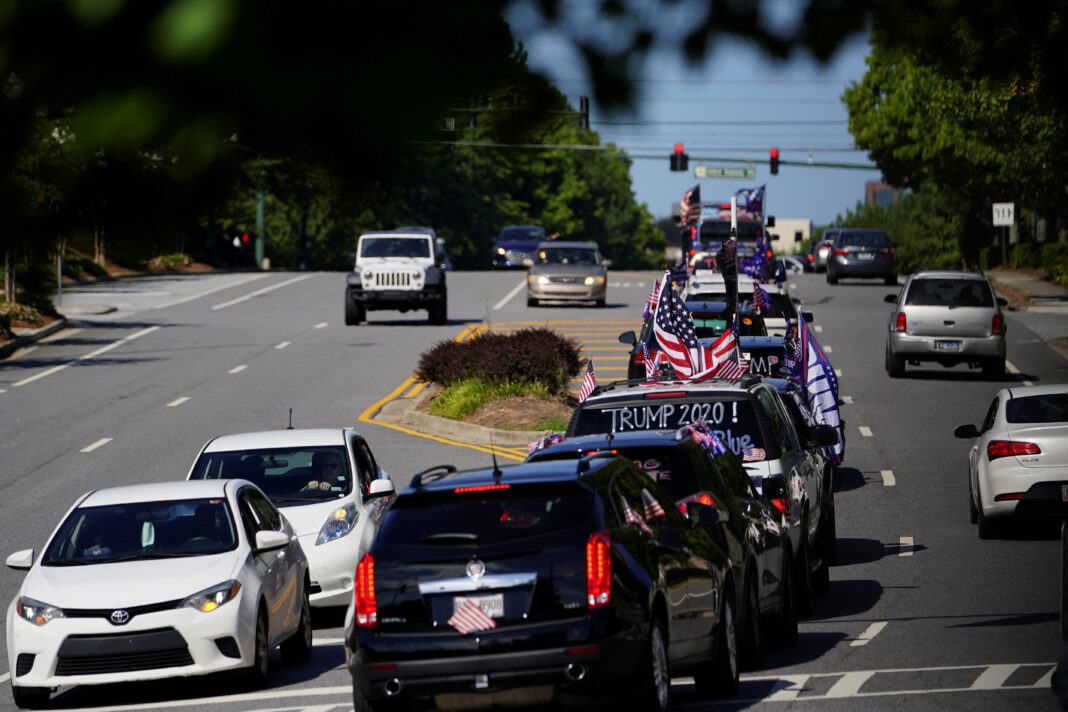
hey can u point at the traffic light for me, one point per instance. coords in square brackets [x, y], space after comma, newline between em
[774, 161]
[679, 160]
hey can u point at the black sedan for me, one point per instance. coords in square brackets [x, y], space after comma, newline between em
[540, 583]
[750, 529]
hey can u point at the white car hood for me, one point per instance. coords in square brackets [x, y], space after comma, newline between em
[309, 518]
[392, 262]
[127, 583]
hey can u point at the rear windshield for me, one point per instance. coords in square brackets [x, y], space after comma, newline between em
[1049, 408]
[394, 247]
[781, 307]
[933, 292]
[864, 239]
[710, 325]
[669, 466]
[286, 475]
[482, 518]
[733, 421]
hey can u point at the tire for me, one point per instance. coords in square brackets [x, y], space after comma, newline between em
[821, 578]
[354, 313]
[973, 511]
[831, 277]
[890, 279]
[600, 304]
[30, 698]
[803, 577]
[720, 679]
[532, 302]
[298, 647]
[994, 369]
[437, 314]
[786, 625]
[651, 686]
[256, 674]
[752, 642]
[895, 365]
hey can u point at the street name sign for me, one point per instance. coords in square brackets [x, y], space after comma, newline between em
[724, 172]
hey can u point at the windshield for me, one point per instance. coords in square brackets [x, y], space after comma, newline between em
[711, 325]
[1049, 408]
[522, 233]
[143, 530]
[568, 256]
[394, 247]
[286, 475]
[733, 421]
[932, 292]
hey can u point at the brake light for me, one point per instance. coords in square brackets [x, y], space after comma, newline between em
[665, 394]
[639, 356]
[365, 608]
[780, 504]
[1005, 448]
[899, 322]
[769, 254]
[886, 252]
[479, 488]
[704, 499]
[693, 251]
[997, 325]
[841, 252]
[810, 258]
[1009, 496]
[599, 570]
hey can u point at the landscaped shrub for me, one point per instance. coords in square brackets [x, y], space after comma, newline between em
[532, 355]
[79, 267]
[1055, 261]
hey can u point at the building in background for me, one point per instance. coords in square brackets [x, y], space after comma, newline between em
[878, 193]
[788, 234]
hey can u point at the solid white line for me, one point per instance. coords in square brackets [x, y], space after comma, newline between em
[870, 632]
[99, 443]
[258, 292]
[320, 325]
[1012, 369]
[283, 344]
[850, 683]
[828, 349]
[993, 677]
[177, 401]
[205, 293]
[888, 478]
[905, 547]
[238, 369]
[91, 354]
[848, 400]
[865, 431]
[510, 294]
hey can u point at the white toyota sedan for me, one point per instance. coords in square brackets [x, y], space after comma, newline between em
[327, 484]
[158, 580]
[1018, 462]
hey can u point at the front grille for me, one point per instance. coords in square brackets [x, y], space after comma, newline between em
[392, 279]
[228, 647]
[24, 663]
[134, 611]
[101, 654]
[567, 280]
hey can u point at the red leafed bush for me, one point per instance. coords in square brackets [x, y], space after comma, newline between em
[533, 355]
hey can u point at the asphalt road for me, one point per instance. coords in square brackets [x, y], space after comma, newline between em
[920, 612]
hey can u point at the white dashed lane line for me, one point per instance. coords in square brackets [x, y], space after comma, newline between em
[320, 325]
[905, 548]
[238, 369]
[865, 431]
[258, 292]
[888, 478]
[99, 443]
[283, 344]
[828, 349]
[91, 354]
[848, 400]
[1011, 368]
[838, 372]
[817, 328]
[870, 632]
[177, 401]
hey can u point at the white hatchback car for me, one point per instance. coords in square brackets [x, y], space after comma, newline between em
[158, 580]
[1018, 462]
[336, 518]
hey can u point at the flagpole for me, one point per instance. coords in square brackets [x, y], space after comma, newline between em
[732, 285]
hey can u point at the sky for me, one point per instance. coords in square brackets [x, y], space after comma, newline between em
[738, 104]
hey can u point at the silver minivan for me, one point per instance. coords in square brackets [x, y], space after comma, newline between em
[948, 317]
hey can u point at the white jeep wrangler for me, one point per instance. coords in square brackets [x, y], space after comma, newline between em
[399, 269]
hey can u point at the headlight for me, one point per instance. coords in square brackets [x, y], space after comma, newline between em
[500, 250]
[542, 279]
[340, 523]
[594, 280]
[36, 612]
[367, 275]
[211, 598]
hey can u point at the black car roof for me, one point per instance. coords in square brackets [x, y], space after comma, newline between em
[603, 441]
[440, 479]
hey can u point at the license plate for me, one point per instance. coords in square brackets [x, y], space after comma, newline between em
[492, 606]
[865, 256]
[1064, 493]
[947, 345]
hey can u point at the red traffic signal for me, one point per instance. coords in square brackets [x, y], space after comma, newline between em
[679, 160]
[774, 161]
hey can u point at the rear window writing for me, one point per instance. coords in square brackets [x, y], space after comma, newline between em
[733, 421]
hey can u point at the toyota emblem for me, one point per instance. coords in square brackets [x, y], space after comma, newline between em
[475, 569]
[120, 617]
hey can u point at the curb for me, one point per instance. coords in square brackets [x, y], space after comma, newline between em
[24, 339]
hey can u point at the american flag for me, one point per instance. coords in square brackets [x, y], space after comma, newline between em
[690, 206]
[703, 436]
[546, 441]
[673, 326]
[650, 301]
[726, 258]
[725, 357]
[821, 387]
[632, 517]
[652, 507]
[589, 382]
[761, 299]
[470, 617]
[753, 454]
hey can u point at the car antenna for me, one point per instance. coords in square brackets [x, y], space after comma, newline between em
[493, 453]
[290, 426]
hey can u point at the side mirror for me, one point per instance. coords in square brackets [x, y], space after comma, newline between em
[628, 337]
[20, 560]
[808, 317]
[890, 299]
[381, 488]
[820, 436]
[350, 260]
[961, 431]
[270, 541]
[1003, 302]
[770, 221]
[606, 263]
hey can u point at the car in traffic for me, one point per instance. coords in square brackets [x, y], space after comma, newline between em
[687, 464]
[863, 253]
[750, 419]
[334, 524]
[947, 317]
[780, 314]
[1018, 460]
[818, 252]
[160, 580]
[567, 271]
[557, 582]
[790, 264]
[400, 269]
[515, 244]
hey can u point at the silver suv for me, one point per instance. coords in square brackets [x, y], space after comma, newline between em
[948, 317]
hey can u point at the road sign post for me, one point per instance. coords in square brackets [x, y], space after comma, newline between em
[1003, 218]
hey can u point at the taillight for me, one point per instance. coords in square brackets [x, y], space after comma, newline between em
[706, 500]
[693, 251]
[810, 258]
[1005, 448]
[769, 254]
[1009, 497]
[899, 322]
[366, 610]
[840, 253]
[599, 569]
[780, 504]
[997, 325]
[886, 252]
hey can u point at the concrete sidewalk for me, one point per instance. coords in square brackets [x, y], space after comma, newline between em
[1028, 289]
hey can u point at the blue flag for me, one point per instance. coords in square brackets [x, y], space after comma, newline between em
[821, 387]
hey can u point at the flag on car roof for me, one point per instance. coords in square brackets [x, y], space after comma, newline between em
[650, 301]
[821, 387]
[690, 206]
[724, 356]
[761, 299]
[673, 326]
[589, 382]
[754, 199]
[469, 617]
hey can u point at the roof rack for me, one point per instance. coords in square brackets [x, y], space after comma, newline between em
[439, 470]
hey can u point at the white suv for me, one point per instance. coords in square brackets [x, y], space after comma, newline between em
[709, 286]
[399, 269]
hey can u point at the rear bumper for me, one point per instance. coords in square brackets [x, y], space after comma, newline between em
[928, 348]
[1043, 499]
[862, 268]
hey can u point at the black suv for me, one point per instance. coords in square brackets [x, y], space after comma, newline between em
[546, 582]
[751, 529]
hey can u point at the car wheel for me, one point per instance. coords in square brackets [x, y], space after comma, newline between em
[652, 683]
[803, 577]
[256, 674]
[994, 369]
[895, 365]
[354, 313]
[890, 279]
[832, 278]
[531, 302]
[600, 304]
[786, 625]
[973, 511]
[30, 698]
[987, 528]
[436, 314]
[751, 644]
[298, 647]
[720, 679]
